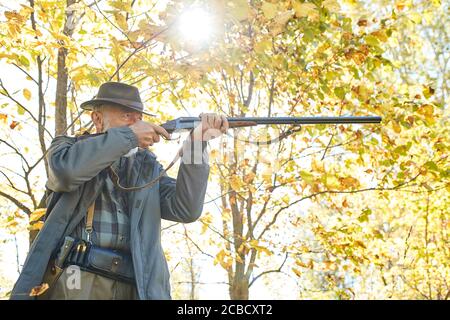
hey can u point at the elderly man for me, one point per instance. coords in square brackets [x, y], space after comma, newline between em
[99, 240]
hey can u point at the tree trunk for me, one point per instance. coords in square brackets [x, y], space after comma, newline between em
[61, 94]
[62, 75]
[239, 288]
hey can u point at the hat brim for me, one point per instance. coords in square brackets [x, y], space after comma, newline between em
[88, 105]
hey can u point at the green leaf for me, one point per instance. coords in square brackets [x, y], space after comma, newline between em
[24, 61]
[372, 41]
[331, 75]
[20, 110]
[347, 25]
[431, 166]
[364, 217]
[307, 177]
[339, 92]
[308, 35]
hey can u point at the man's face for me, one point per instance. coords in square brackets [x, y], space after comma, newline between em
[111, 116]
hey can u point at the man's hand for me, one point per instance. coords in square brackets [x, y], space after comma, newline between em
[148, 133]
[212, 126]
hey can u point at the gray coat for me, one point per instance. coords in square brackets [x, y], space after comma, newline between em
[77, 173]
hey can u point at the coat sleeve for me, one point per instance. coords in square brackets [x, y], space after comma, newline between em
[182, 199]
[72, 162]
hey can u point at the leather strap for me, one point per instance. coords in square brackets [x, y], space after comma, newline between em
[90, 221]
[116, 181]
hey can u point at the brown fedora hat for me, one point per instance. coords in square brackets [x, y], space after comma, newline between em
[119, 94]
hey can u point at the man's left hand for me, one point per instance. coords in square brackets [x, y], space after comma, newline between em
[212, 126]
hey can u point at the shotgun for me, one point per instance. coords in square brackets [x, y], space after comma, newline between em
[189, 123]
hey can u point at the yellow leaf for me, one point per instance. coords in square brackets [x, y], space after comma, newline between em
[5, 55]
[267, 176]
[305, 10]
[224, 259]
[330, 266]
[235, 183]
[264, 250]
[123, 5]
[39, 290]
[331, 5]
[12, 224]
[426, 110]
[301, 264]
[17, 214]
[226, 213]
[360, 244]
[283, 18]
[27, 94]
[253, 243]
[214, 154]
[14, 16]
[269, 10]
[121, 20]
[37, 214]
[401, 4]
[297, 272]
[36, 226]
[239, 9]
[331, 181]
[349, 182]
[262, 46]
[60, 37]
[307, 177]
[396, 127]
[317, 165]
[3, 117]
[380, 35]
[206, 220]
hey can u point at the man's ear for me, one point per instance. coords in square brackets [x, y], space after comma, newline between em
[97, 119]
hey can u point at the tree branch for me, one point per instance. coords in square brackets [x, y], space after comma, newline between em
[269, 271]
[332, 192]
[11, 184]
[17, 152]
[24, 71]
[16, 202]
[8, 95]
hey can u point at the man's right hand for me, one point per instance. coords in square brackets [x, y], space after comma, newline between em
[148, 133]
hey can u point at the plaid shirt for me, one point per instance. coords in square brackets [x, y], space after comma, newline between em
[111, 224]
